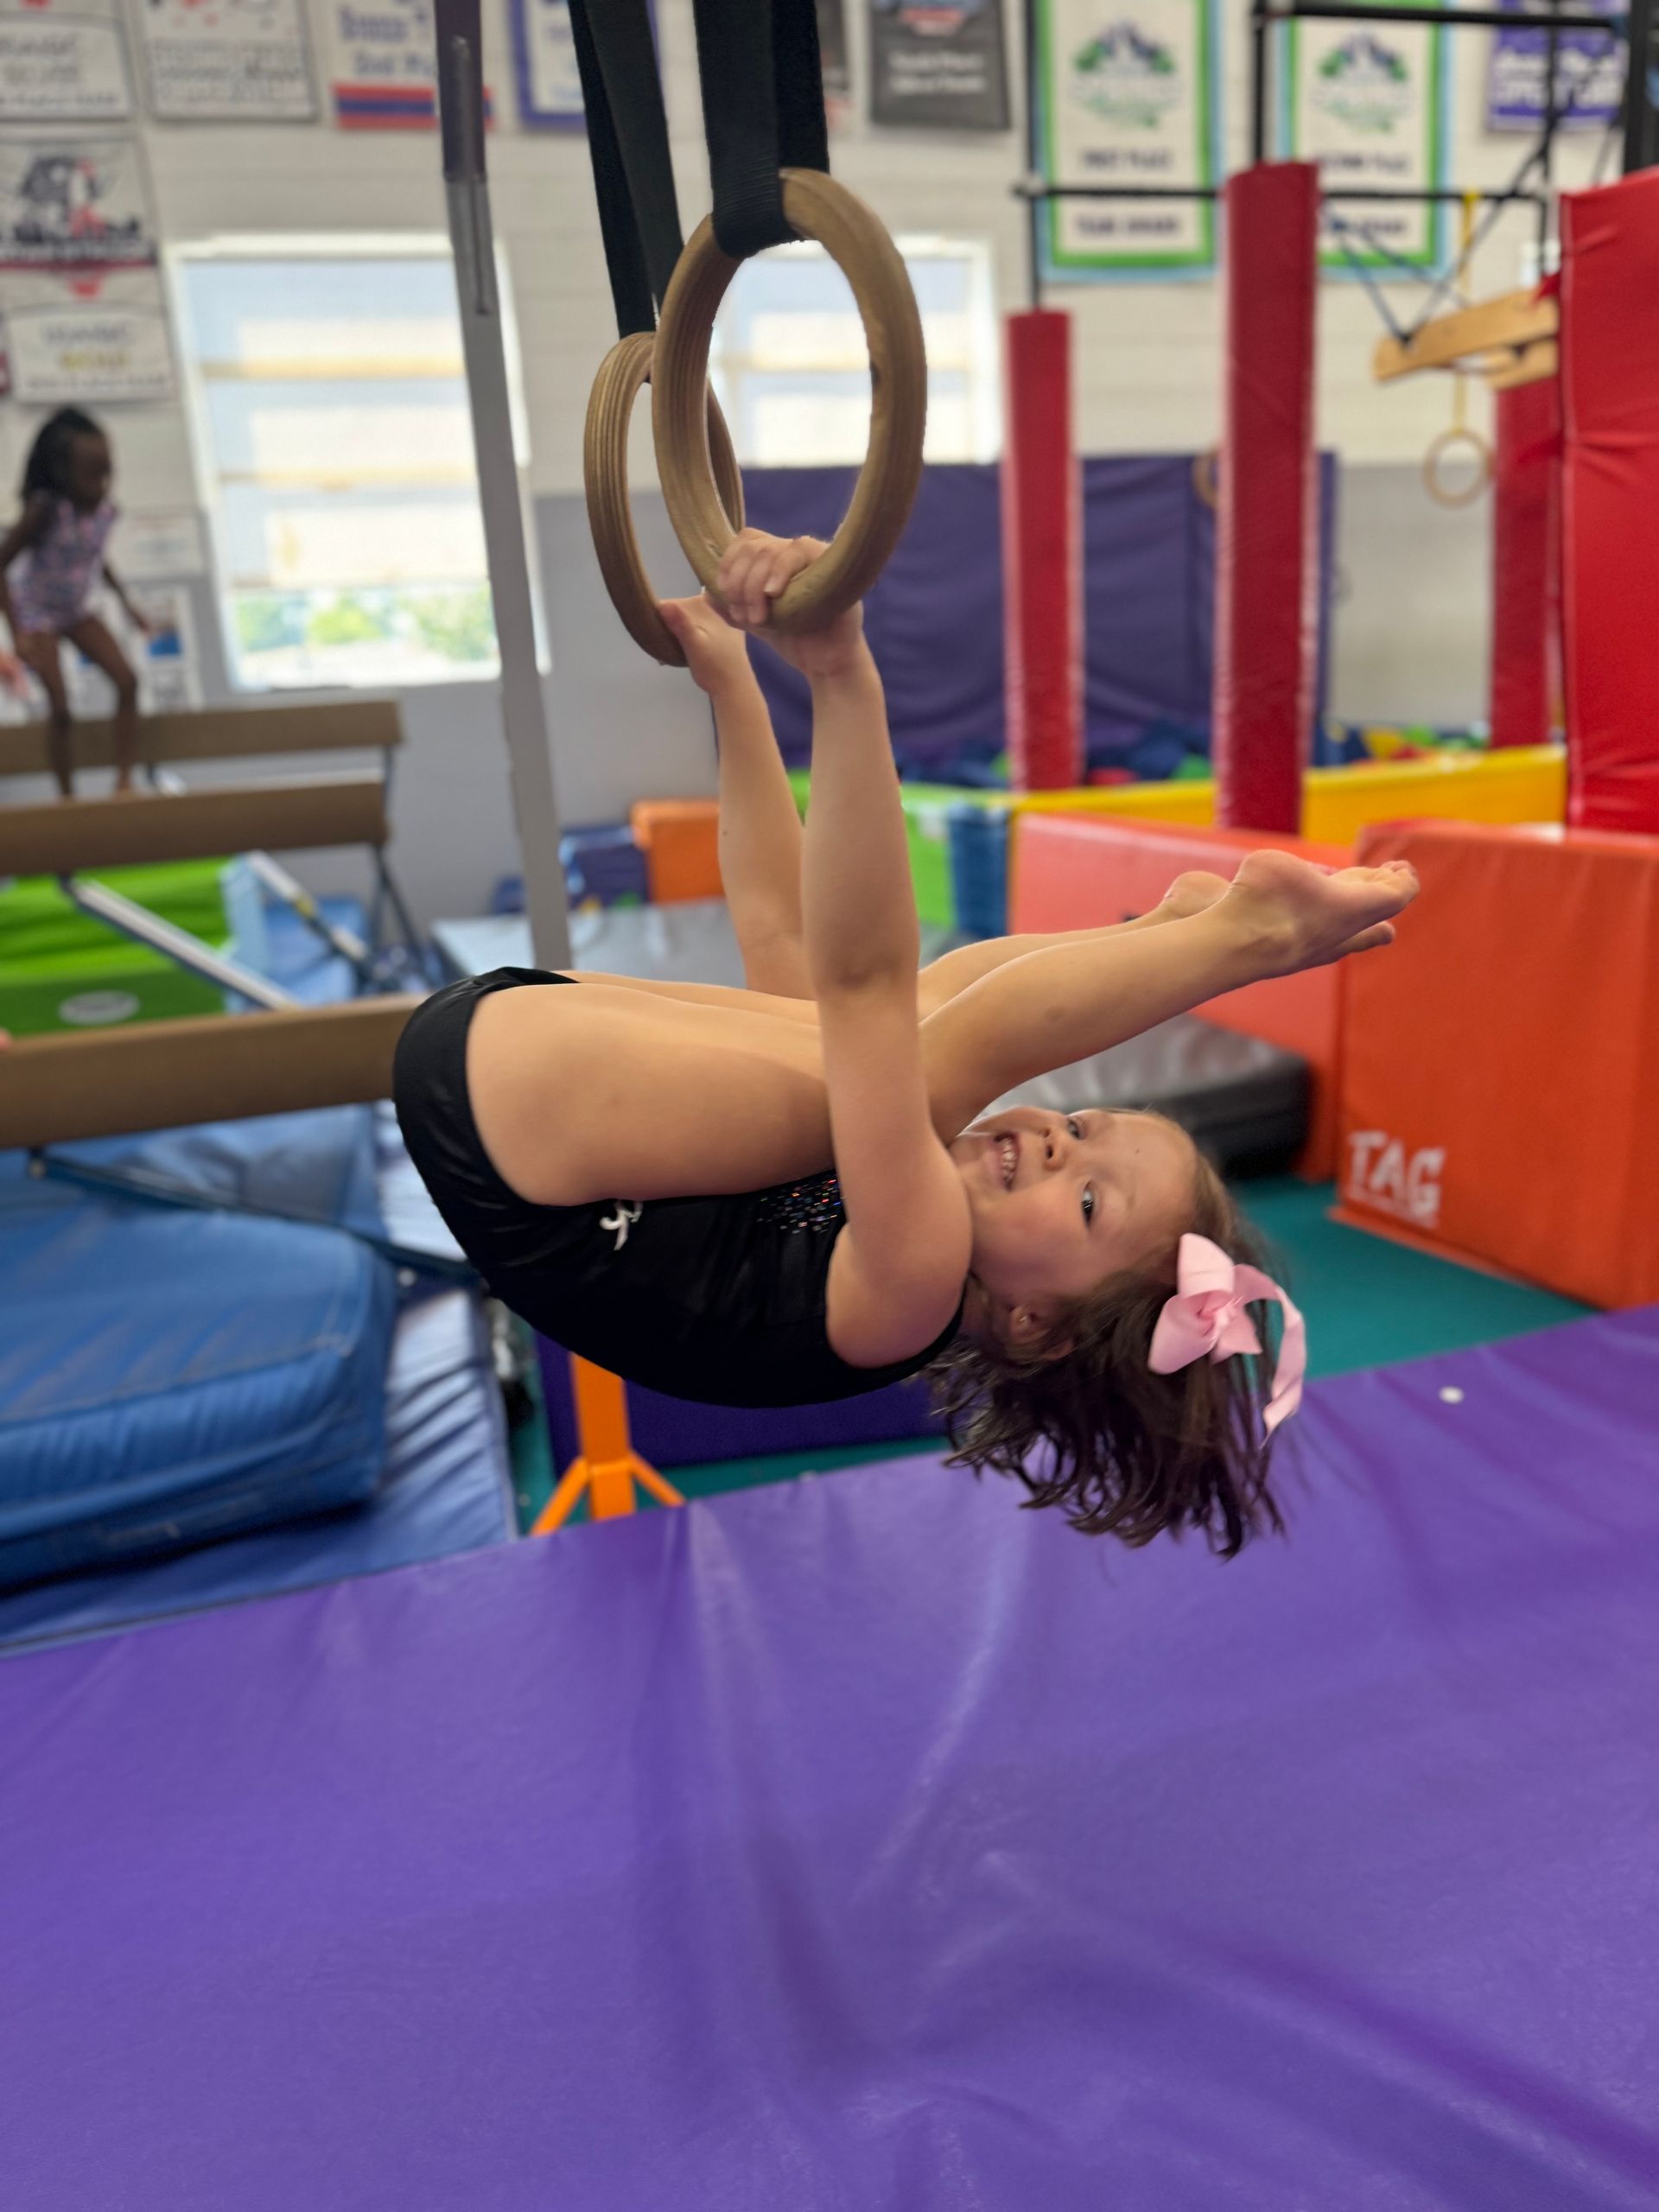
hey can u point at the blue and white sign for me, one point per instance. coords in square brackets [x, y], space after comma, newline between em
[1589, 76]
[545, 60]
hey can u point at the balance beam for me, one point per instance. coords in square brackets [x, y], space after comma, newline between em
[218, 733]
[1500, 326]
[68, 836]
[158, 1074]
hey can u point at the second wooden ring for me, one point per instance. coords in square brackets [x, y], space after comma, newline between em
[625, 369]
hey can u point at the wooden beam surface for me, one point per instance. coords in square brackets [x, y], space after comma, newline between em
[219, 734]
[68, 837]
[1532, 364]
[159, 1075]
[1494, 327]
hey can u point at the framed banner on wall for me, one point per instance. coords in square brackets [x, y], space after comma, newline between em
[66, 349]
[1128, 98]
[77, 205]
[938, 64]
[1367, 102]
[239, 60]
[62, 61]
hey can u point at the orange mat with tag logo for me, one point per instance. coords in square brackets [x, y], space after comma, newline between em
[1079, 872]
[1500, 1084]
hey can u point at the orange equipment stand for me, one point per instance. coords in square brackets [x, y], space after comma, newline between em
[608, 1466]
[1500, 1063]
[1079, 872]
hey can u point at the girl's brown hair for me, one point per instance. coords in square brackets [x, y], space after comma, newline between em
[1084, 1422]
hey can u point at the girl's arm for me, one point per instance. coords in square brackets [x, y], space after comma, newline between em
[24, 532]
[760, 827]
[1067, 1001]
[139, 621]
[899, 1266]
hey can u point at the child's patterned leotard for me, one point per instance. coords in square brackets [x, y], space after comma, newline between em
[54, 577]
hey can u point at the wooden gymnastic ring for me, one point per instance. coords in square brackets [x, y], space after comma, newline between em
[1207, 477]
[605, 474]
[855, 240]
[1438, 448]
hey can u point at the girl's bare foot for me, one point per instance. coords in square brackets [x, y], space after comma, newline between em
[1297, 915]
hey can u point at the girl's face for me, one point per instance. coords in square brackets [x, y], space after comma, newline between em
[88, 470]
[1062, 1201]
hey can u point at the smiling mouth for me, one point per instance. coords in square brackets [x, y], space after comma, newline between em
[1007, 1155]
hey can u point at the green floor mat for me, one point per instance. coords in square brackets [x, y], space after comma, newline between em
[1370, 1302]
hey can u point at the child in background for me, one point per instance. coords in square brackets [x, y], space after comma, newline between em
[50, 562]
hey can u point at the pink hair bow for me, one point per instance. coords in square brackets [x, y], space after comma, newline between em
[1206, 1318]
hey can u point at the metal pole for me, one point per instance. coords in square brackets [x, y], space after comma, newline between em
[118, 912]
[1034, 158]
[1547, 143]
[524, 711]
[1450, 19]
[1411, 195]
[1638, 94]
[1259, 59]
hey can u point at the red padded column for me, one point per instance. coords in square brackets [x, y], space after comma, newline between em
[1610, 404]
[1267, 533]
[1526, 558]
[1042, 558]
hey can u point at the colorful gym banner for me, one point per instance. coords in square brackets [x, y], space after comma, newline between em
[74, 205]
[1365, 102]
[545, 62]
[938, 65]
[66, 349]
[62, 62]
[1128, 99]
[225, 61]
[1589, 76]
[385, 66]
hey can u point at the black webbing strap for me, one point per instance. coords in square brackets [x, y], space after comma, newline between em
[762, 111]
[628, 142]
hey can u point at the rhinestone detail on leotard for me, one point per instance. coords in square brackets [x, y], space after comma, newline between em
[811, 1207]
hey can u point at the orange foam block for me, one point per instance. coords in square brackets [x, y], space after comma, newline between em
[1500, 1081]
[680, 839]
[1074, 872]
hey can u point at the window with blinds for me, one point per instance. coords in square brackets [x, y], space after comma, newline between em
[334, 445]
[790, 366]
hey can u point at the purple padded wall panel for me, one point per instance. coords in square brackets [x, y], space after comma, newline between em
[865, 1842]
[935, 617]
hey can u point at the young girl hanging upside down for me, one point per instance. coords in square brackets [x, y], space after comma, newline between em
[787, 1193]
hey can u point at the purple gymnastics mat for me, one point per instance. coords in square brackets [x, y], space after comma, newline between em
[869, 1843]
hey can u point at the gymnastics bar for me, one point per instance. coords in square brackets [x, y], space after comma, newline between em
[159, 1075]
[1266, 522]
[1042, 558]
[69, 836]
[1500, 326]
[1526, 565]
[218, 733]
[1610, 409]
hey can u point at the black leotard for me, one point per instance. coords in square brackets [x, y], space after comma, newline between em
[716, 1298]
